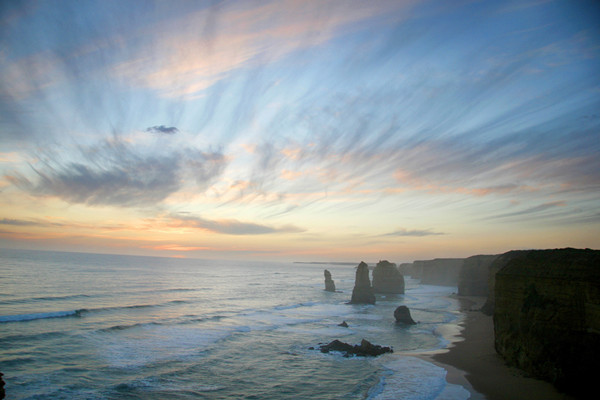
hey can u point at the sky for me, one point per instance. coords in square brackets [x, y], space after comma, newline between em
[300, 130]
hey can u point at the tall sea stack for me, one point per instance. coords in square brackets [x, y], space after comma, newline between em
[387, 278]
[329, 283]
[362, 292]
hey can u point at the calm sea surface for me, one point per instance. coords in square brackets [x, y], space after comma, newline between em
[89, 326]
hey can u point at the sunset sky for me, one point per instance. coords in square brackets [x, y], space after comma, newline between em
[300, 130]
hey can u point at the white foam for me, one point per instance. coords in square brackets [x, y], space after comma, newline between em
[150, 343]
[414, 379]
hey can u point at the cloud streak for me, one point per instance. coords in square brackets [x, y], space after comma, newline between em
[230, 226]
[413, 233]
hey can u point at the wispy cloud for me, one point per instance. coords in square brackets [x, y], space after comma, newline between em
[530, 211]
[230, 226]
[413, 232]
[18, 222]
[115, 174]
[250, 35]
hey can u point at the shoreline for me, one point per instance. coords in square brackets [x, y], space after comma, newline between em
[472, 362]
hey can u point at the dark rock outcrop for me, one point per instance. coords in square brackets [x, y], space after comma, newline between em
[365, 349]
[2, 391]
[439, 271]
[329, 283]
[402, 315]
[362, 292]
[547, 315]
[473, 278]
[343, 324]
[387, 278]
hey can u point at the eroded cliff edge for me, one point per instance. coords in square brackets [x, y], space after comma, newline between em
[547, 315]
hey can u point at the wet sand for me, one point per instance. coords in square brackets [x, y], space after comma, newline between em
[474, 363]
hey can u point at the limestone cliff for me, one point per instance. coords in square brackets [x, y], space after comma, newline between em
[408, 269]
[474, 275]
[387, 278]
[547, 315]
[499, 262]
[439, 271]
[362, 292]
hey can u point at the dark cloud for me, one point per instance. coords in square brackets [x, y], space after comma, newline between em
[17, 222]
[169, 130]
[115, 174]
[232, 226]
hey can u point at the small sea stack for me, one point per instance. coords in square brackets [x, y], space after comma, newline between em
[402, 315]
[362, 292]
[329, 283]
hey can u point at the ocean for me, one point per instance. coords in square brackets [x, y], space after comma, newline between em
[95, 326]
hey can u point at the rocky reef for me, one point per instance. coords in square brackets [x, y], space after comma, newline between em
[329, 283]
[387, 278]
[362, 292]
[402, 315]
[547, 315]
[473, 279]
[365, 349]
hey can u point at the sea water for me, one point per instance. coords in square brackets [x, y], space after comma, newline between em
[90, 326]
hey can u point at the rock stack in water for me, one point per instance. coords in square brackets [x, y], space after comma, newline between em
[387, 278]
[362, 292]
[402, 315]
[329, 283]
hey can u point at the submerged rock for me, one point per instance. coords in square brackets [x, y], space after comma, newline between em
[329, 283]
[402, 315]
[362, 292]
[365, 349]
[387, 278]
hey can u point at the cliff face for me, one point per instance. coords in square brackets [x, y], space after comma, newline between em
[547, 315]
[387, 278]
[474, 275]
[410, 270]
[362, 292]
[498, 263]
[440, 271]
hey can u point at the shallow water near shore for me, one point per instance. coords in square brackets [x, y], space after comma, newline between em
[84, 326]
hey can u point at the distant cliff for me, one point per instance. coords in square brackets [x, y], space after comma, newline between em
[410, 270]
[439, 271]
[473, 279]
[547, 315]
[387, 278]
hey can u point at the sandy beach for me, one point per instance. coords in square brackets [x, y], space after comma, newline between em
[473, 363]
